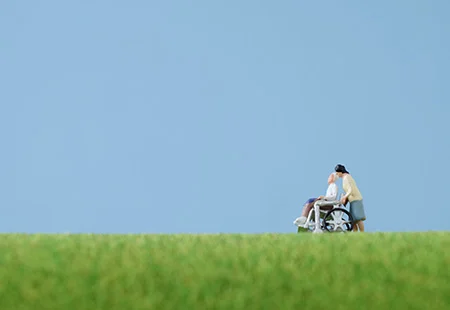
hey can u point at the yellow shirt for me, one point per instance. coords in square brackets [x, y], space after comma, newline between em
[349, 186]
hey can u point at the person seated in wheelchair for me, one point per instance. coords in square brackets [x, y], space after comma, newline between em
[331, 194]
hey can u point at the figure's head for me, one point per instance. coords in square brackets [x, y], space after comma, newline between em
[340, 170]
[332, 178]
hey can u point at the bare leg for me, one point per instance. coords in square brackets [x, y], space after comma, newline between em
[355, 226]
[306, 208]
[361, 226]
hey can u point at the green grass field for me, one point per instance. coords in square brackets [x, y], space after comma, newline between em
[268, 271]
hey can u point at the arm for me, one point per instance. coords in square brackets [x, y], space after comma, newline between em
[349, 189]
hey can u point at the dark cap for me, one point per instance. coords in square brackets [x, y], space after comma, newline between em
[340, 168]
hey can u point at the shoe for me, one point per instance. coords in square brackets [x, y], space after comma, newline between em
[300, 221]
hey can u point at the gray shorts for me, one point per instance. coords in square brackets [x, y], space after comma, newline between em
[357, 210]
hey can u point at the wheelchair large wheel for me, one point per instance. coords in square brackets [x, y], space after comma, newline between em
[338, 220]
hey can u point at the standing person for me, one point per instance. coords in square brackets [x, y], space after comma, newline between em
[331, 194]
[353, 196]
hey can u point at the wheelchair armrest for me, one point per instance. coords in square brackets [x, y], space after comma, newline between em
[326, 203]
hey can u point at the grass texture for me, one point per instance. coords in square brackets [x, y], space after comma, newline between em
[225, 271]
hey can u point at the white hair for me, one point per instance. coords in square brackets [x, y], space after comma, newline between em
[335, 176]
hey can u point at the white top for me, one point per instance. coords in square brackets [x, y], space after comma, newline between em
[332, 192]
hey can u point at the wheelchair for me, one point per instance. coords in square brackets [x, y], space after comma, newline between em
[328, 216]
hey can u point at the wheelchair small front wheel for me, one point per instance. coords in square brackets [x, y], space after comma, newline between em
[338, 220]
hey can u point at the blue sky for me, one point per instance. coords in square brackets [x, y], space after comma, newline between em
[208, 116]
